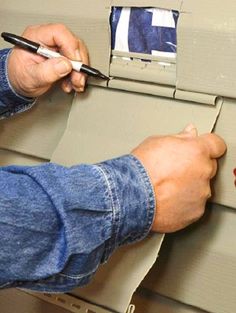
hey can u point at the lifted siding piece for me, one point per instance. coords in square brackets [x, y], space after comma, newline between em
[105, 123]
[224, 185]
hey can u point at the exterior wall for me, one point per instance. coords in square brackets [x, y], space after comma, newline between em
[196, 267]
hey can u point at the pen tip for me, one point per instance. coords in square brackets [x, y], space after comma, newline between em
[102, 76]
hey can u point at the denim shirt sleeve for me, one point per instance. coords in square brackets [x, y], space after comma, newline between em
[59, 224]
[10, 102]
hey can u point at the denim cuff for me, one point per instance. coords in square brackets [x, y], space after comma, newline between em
[67, 221]
[10, 101]
[133, 201]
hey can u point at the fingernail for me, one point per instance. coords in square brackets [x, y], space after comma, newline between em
[62, 67]
[82, 81]
[68, 87]
[189, 127]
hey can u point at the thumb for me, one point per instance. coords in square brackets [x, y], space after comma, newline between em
[51, 70]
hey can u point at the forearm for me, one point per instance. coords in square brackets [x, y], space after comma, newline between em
[63, 222]
[10, 101]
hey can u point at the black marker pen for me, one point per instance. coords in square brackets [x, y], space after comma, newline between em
[36, 48]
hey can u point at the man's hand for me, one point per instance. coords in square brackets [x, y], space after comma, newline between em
[32, 75]
[180, 168]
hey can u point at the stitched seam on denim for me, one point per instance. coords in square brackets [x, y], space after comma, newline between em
[150, 196]
[150, 193]
[136, 237]
[4, 54]
[148, 182]
[40, 291]
[117, 214]
[102, 177]
[107, 246]
[55, 282]
[81, 275]
[20, 108]
[17, 110]
[110, 245]
[3, 84]
[50, 288]
[24, 107]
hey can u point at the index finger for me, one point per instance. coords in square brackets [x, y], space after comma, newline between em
[215, 145]
[58, 35]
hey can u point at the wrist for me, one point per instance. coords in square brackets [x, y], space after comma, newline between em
[15, 80]
[10, 100]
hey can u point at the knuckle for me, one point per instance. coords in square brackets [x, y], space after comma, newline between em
[60, 26]
[206, 194]
[29, 29]
[82, 46]
[200, 211]
[198, 214]
[208, 169]
[150, 138]
[76, 79]
[214, 168]
[147, 143]
[80, 41]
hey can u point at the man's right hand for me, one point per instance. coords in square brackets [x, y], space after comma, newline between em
[31, 75]
[180, 168]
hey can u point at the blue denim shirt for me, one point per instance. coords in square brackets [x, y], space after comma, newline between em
[58, 224]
